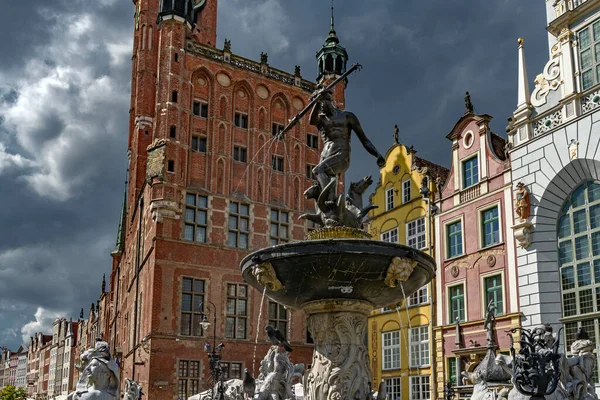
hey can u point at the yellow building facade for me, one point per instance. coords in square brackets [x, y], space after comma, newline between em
[401, 336]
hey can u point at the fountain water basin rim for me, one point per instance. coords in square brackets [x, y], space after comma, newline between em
[377, 272]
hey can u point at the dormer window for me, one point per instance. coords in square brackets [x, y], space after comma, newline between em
[470, 172]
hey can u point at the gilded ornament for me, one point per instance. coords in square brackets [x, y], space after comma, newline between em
[399, 271]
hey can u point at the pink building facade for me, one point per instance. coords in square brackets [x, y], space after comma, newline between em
[476, 257]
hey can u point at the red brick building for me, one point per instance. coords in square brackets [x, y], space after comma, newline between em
[476, 257]
[208, 183]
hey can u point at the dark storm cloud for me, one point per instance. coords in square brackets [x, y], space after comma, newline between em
[64, 100]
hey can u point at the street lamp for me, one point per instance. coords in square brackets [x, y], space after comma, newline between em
[214, 351]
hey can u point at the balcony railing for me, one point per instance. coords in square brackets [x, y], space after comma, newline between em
[470, 193]
[563, 6]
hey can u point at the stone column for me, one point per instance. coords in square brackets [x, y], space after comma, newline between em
[340, 364]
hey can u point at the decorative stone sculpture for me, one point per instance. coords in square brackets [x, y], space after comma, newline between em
[99, 375]
[275, 379]
[335, 127]
[133, 391]
[579, 382]
[468, 104]
[266, 276]
[522, 202]
[399, 271]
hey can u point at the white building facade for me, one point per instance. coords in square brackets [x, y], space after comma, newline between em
[555, 153]
[21, 378]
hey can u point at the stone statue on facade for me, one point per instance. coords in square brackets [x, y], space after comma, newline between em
[335, 127]
[99, 375]
[396, 132]
[522, 202]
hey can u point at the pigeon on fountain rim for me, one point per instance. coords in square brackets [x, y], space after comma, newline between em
[277, 338]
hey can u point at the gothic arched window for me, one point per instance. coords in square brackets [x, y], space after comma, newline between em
[578, 233]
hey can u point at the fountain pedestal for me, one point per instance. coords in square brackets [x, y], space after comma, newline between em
[340, 364]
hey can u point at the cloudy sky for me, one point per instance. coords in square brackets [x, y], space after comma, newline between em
[64, 100]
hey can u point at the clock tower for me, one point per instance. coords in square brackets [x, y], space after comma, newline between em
[208, 183]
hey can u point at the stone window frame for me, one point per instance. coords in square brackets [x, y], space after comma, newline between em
[239, 230]
[236, 316]
[226, 365]
[276, 128]
[193, 313]
[202, 106]
[187, 379]
[484, 292]
[417, 235]
[406, 191]
[241, 120]
[390, 234]
[309, 172]
[593, 260]
[392, 347]
[197, 209]
[421, 394]
[201, 143]
[240, 154]
[389, 198]
[277, 163]
[593, 47]
[480, 221]
[278, 321]
[280, 224]
[449, 307]
[421, 346]
[312, 141]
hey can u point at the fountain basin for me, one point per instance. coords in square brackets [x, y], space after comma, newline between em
[356, 269]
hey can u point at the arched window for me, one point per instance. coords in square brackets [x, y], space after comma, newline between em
[578, 233]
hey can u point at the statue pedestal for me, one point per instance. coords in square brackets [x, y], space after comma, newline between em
[340, 365]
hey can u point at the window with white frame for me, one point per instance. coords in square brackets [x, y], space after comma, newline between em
[454, 244]
[415, 234]
[456, 297]
[490, 227]
[419, 346]
[589, 55]
[390, 236]
[470, 172]
[393, 389]
[391, 350]
[420, 387]
[419, 297]
[389, 199]
[578, 234]
[494, 292]
[406, 191]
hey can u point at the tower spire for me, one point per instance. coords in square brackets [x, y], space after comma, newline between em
[332, 57]
[332, 29]
[121, 232]
[523, 91]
